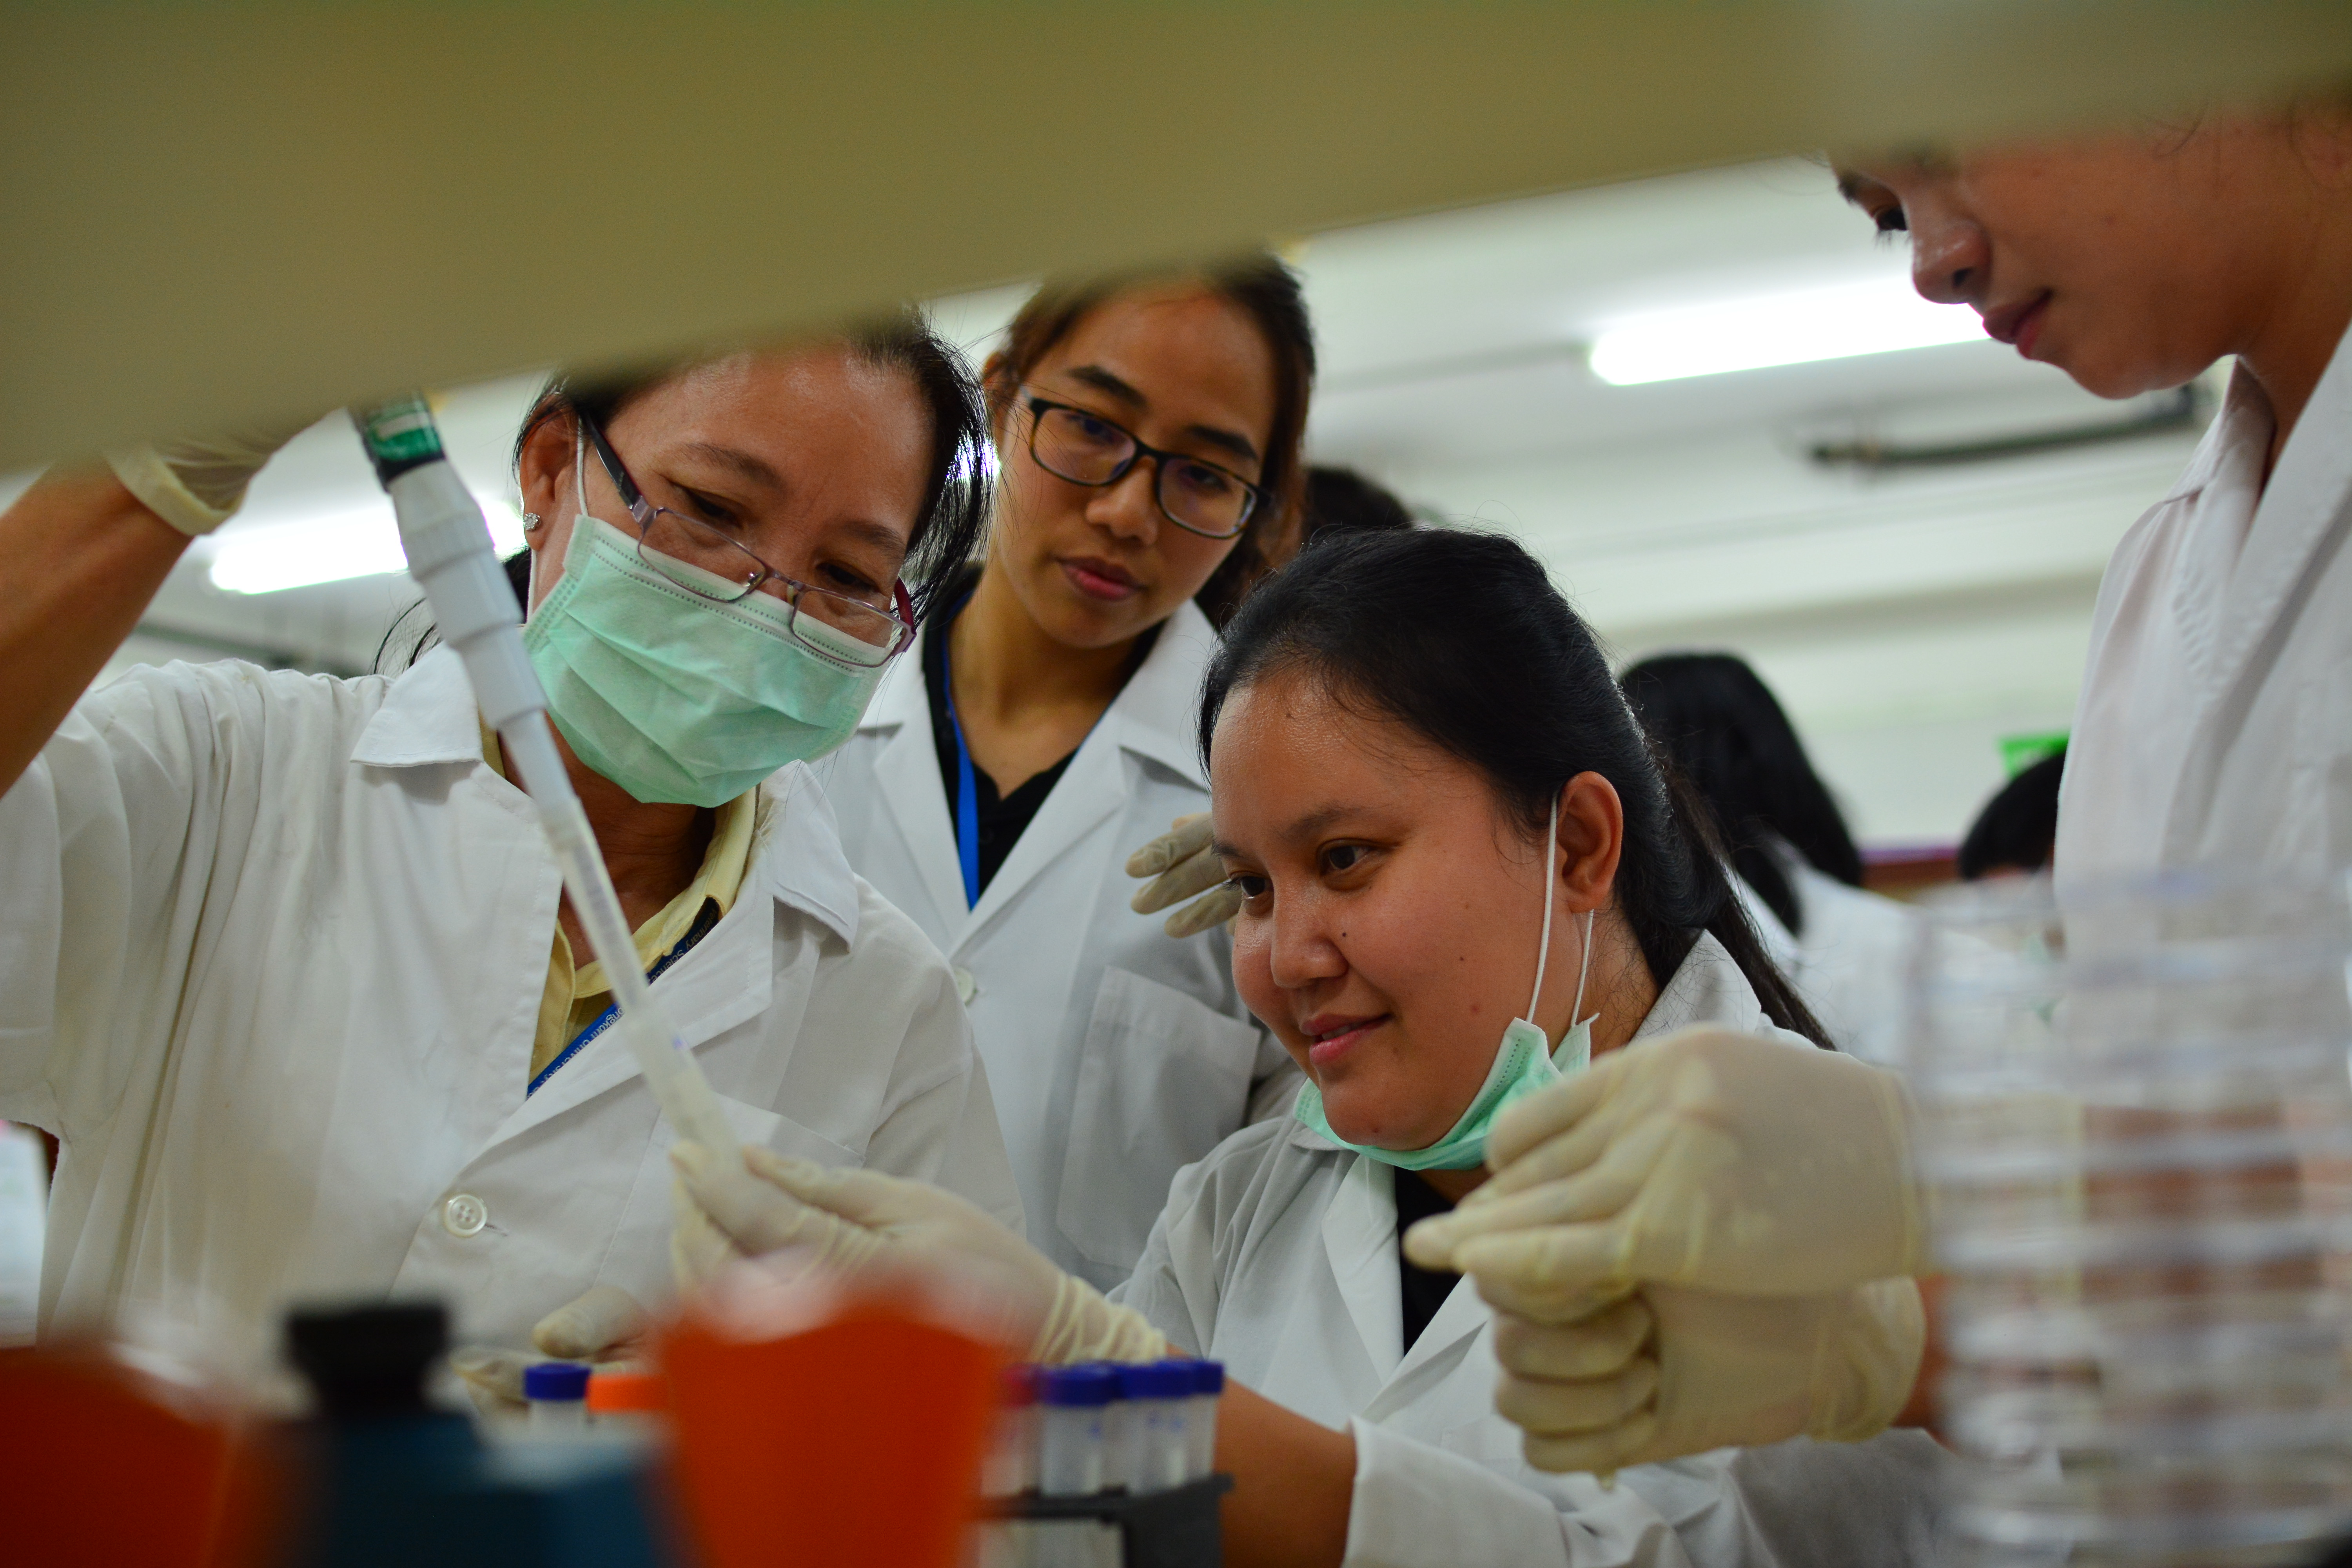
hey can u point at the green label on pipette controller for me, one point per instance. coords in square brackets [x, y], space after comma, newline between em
[400, 435]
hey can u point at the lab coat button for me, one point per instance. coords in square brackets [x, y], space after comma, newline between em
[966, 987]
[465, 1215]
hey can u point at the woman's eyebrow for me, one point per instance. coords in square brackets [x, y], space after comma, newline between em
[743, 464]
[1118, 387]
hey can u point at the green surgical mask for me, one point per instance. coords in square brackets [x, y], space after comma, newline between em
[1524, 1063]
[678, 697]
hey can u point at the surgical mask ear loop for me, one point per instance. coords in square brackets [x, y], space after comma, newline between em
[1543, 952]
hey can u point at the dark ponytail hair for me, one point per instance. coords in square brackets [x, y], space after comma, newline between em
[956, 489]
[1726, 733]
[1462, 638]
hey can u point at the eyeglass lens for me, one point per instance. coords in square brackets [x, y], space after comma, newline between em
[1075, 446]
[702, 560]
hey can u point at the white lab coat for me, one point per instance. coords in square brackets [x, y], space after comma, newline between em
[1848, 962]
[270, 964]
[1277, 1255]
[1117, 1054]
[2215, 723]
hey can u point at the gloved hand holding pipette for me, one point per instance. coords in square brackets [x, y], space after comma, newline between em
[847, 1220]
[1708, 1158]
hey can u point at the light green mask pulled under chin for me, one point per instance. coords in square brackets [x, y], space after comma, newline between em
[1524, 1062]
[679, 697]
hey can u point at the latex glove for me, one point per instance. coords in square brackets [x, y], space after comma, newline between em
[1673, 1372]
[1180, 865]
[850, 1220]
[1707, 1157]
[197, 485]
[602, 1326]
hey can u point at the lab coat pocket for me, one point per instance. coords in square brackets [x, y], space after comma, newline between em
[1163, 1080]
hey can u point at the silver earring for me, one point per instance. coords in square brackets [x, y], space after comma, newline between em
[531, 521]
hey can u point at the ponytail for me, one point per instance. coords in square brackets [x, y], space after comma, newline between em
[1461, 638]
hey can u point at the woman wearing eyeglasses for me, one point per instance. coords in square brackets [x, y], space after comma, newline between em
[1146, 434]
[286, 966]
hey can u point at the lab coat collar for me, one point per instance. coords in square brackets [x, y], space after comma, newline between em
[730, 974]
[2244, 419]
[2301, 519]
[1158, 715]
[428, 718]
[798, 856]
[1148, 720]
[1151, 718]
[1706, 988]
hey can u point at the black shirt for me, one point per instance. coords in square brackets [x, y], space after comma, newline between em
[1002, 818]
[1422, 1290]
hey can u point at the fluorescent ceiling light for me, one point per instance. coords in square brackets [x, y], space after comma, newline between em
[270, 557]
[1838, 322]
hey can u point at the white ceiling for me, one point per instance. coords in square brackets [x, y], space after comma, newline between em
[1907, 621]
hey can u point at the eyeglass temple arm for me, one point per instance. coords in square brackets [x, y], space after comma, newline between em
[631, 497]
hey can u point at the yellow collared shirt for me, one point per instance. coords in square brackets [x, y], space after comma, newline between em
[576, 993]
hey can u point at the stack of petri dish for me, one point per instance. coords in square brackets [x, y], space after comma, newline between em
[2137, 1138]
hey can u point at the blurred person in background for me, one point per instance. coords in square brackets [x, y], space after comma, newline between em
[1341, 500]
[1146, 434]
[1724, 732]
[2012, 835]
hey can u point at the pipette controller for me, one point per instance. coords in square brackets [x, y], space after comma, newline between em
[452, 558]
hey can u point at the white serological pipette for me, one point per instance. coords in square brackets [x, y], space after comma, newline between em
[452, 558]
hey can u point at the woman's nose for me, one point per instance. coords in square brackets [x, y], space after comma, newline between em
[1130, 508]
[1301, 952]
[1952, 260]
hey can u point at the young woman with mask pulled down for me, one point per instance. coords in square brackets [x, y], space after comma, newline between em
[289, 968]
[1146, 433]
[1461, 874]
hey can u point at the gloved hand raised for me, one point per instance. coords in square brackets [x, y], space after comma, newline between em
[1672, 1371]
[603, 1325]
[1180, 866]
[197, 484]
[848, 1220]
[1708, 1158]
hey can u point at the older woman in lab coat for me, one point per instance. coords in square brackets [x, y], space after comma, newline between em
[1440, 814]
[2215, 721]
[284, 959]
[1146, 436]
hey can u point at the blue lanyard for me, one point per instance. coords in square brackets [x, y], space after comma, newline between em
[967, 811]
[604, 1020]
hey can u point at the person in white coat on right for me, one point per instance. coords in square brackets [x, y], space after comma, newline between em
[2215, 719]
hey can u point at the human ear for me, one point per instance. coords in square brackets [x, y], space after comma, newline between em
[997, 385]
[543, 475]
[1591, 840]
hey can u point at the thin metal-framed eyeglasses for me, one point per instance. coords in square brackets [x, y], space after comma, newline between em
[705, 562]
[1082, 447]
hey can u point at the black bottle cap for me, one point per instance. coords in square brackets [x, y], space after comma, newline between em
[368, 1360]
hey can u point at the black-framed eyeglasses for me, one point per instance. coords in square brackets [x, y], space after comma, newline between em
[1084, 448]
[847, 628]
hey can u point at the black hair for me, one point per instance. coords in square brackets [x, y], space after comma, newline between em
[1269, 294]
[1724, 732]
[1462, 638]
[955, 506]
[2019, 826]
[1341, 500]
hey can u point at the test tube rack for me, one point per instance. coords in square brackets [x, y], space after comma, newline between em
[1178, 1528]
